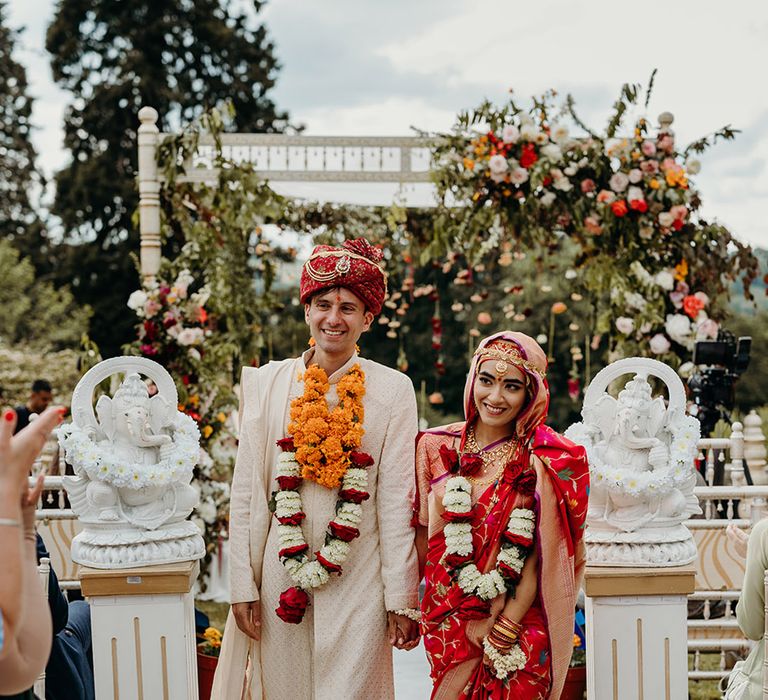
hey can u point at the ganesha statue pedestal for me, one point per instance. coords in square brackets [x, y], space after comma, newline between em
[143, 630]
[637, 634]
[640, 554]
[133, 459]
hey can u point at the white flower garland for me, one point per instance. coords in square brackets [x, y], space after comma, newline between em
[99, 462]
[310, 573]
[458, 541]
[682, 454]
[504, 664]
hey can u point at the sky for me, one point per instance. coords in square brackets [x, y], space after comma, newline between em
[366, 67]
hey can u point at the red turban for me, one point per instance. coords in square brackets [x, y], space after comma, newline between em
[355, 266]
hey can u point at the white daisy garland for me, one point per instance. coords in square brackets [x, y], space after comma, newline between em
[100, 463]
[516, 543]
[504, 663]
[309, 573]
[682, 455]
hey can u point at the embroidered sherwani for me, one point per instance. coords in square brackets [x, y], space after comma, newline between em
[340, 649]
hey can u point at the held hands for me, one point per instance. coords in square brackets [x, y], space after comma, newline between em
[402, 632]
[248, 618]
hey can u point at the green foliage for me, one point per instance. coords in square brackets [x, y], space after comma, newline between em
[179, 57]
[18, 175]
[34, 312]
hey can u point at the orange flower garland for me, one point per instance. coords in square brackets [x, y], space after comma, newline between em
[323, 438]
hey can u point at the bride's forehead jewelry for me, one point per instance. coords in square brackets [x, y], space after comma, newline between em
[506, 355]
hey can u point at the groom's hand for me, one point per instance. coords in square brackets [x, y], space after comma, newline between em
[403, 633]
[248, 618]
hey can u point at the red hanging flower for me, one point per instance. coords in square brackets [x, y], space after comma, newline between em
[454, 561]
[360, 459]
[294, 519]
[293, 605]
[329, 566]
[286, 444]
[525, 483]
[288, 483]
[471, 464]
[293, 551]
[343, 532]
[354, 496]
[450, 458]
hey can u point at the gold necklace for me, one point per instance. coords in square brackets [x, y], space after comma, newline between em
[498, 457]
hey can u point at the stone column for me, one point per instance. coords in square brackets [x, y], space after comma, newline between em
[754, 447]
[143, 627]
[637, 637]
[149, 194]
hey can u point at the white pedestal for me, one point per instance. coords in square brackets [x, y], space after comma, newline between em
[637, 639]
[143, 627]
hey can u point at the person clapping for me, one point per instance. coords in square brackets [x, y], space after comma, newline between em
[25, 622]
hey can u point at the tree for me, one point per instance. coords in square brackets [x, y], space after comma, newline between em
[35, 313]
[18, 175]
[178, 56]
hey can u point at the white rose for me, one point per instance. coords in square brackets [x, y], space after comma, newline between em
[666, 219]
[498, 164]
[563, 184]
[548, 198]
[625, 325]
[560, 134]
[190, 336]
[634, 193]
[686, 369]
[666, 280]
[635, 300]
[552, 152]
[207, 511]
[659, 344]
[528, 132]
[137, 299]
[541, 138]
[678, 328]
[618, 182]
[635, 176]
[519, 176]
[693, 166]
[510, 134]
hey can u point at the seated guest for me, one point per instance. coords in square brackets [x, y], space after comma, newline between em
[39, 399]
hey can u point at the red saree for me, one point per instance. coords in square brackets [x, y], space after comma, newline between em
[450, 617]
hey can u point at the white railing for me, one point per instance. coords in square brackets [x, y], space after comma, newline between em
[277, 157]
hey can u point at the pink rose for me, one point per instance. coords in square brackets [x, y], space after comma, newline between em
[707, 329]
[605, 196]
[666, 143]
[151, 307]
[588, 185]
[649, 167]
[648, 148]
[669, 164]
[592, 225]
[702, 297]
[635, 176]
[679, 212]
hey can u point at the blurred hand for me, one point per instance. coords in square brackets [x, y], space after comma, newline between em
[248, 618]
[18, 452]
[738, 538]
[29, 505]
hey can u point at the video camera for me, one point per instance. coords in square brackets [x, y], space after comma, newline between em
[719, 363]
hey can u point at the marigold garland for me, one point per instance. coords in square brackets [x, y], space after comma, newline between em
[324, 439]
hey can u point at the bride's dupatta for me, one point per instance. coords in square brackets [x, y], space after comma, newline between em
[560, 503]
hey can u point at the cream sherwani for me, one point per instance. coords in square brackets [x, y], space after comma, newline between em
[340, 649]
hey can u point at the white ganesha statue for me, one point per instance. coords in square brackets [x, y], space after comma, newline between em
[641, 453]
[133, 461]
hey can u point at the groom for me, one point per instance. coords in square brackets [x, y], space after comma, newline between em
[322, 586]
